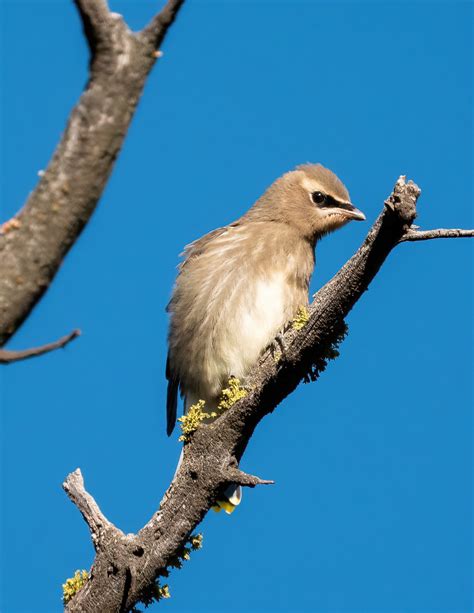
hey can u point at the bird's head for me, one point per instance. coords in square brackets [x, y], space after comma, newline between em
[312, 198]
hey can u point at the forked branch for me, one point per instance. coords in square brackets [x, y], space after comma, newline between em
[201, 474]
[34, 243]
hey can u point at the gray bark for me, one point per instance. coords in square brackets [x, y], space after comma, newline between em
[34, 242]
[125, 565]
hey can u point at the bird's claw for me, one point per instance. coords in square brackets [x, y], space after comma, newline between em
[278, 346]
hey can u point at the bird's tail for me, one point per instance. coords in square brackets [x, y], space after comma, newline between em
[231, 498]
[232, 495]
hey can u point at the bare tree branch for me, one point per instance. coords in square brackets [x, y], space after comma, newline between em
[34, 242]
[210, 457]
[241, 478]
[95, 11]
[9, 356]
[96, 20]
[426, 235]
[95, 519]
[156, 29]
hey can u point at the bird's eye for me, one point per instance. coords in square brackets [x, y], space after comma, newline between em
[318, 197]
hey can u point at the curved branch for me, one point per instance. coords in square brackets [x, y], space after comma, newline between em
[425, 235]
[35, 241]
[9, 356]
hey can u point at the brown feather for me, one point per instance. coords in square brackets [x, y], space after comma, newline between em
[240, 284]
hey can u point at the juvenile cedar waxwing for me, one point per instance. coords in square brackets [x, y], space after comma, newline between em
[239, 285]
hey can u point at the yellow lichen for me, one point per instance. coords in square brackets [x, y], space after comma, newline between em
[301, 319]
[192, 420]
[74, 584]
[230, 395]
[195, 414]
[195, 541]
[277, 355]
[151, 594]
[155, 592]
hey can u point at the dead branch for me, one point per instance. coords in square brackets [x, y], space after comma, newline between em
[158, 26]
[210, 459]
[246, 480]
[35, 241]
[9, 356]
[95, 519]
[425, 235]
[96, 20]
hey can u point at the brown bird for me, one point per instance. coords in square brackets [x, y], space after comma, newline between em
[239, 285]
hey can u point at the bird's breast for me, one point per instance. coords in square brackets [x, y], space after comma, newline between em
[254, 320]
[230, 303]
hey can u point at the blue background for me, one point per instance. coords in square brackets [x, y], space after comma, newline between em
[372, 507]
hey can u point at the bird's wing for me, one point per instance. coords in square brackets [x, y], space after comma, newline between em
[171, 397]
[194, 249]
[191, 251]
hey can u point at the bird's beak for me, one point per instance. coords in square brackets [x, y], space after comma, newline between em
[350, 211]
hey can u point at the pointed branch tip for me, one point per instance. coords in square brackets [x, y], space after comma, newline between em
[424, 235]
[234, 475]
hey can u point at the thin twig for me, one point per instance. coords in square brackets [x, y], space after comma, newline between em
[7, 356]
[416, 235]
[241, 478]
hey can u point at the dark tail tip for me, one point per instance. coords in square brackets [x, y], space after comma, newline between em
[170, 427]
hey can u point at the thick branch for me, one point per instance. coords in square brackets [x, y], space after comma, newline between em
[9, 356]
[34, 242]
[209, 459]
[426, 235]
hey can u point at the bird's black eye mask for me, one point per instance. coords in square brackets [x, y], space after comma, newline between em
[324, 201]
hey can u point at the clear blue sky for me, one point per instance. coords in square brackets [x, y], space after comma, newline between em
[372, 507]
